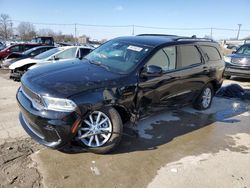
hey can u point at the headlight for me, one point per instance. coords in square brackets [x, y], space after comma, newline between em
[227, 59]
[58, 104]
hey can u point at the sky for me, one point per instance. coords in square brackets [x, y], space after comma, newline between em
[174, 15]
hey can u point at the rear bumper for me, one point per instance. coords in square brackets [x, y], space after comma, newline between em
[234, 70]
[50, 128]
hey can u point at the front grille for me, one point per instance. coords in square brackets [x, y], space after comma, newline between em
[33, 97]
[50, 135]
[241, 61]
[33, 127]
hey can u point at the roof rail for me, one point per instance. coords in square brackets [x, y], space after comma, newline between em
[162, 35]
[193, 38]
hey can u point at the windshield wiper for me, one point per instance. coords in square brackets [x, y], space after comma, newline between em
[98, 63]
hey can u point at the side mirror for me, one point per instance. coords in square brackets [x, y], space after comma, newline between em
[55, 58]
[8, 50]
[151, 71]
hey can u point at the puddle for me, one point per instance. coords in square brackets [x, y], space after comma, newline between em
[163, 139]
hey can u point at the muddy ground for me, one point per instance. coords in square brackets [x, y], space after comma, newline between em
[180, 148]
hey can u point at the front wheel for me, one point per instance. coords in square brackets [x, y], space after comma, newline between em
[101, 131]
[204, 100]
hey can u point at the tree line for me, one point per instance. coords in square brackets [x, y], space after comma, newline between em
[25, 31]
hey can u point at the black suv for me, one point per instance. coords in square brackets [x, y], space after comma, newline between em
[126, 78]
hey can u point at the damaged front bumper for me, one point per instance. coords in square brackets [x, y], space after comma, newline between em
[16, 75]
[50, 128]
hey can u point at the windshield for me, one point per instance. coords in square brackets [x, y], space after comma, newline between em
[244, 50]
[47, 53]
[118, 56]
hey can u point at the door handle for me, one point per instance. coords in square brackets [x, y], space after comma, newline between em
[205, 69]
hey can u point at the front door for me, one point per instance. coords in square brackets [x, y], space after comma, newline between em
[158, 92]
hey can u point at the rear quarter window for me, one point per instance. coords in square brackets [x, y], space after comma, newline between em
[211, 53]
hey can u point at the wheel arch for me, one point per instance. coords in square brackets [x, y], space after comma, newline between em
[216, 85]
[123, 112]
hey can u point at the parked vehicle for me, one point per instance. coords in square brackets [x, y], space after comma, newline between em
[54, 55]
[16, 48]
[2, 46]
[13, 57]
[127, 78]
[43, 40]
[238, 63]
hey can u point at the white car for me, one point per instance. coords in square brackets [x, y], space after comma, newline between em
[54, 55]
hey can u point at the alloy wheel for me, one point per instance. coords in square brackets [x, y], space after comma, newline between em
[98, 126]
[206, 98]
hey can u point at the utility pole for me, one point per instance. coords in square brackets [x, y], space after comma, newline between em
[133, 29]
[211, 33]
[238, 34]
[75, 33]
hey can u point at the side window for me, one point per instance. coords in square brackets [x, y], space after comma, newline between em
[27, 47]
[164, 58]
[84, 51]
[67, 54]
[189, 55]
[15, 48]
[36, 52]
[171, 55]
[211, 53]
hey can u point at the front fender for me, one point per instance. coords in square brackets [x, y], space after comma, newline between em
[94, 99]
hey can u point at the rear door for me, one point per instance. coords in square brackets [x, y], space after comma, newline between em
[192, 71]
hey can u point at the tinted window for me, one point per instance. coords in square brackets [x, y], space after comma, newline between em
[189, 56]
[27, 47]
[84, 51]
[164, 58]
[16, 48]
[36, 52]
[211, 53]
[47, 53]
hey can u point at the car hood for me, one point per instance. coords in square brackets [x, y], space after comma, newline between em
[23, 62]
[69, 78]
[240, 59]
[239, 56]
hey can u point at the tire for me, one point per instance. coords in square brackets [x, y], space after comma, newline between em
[200, 103]
[115, 131]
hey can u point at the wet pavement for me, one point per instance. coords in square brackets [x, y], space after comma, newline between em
[163, 139]
[178, 148]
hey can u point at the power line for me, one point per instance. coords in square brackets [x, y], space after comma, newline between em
[129, 26]
[77, 26]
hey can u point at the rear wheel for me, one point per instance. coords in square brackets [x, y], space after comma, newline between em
[205, 98]
[101, 131]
